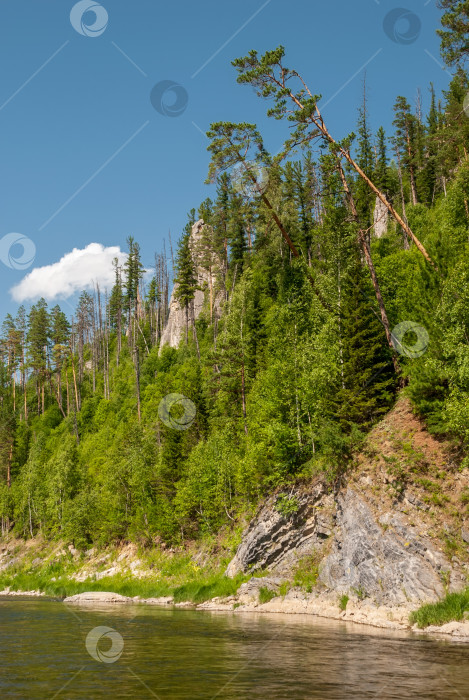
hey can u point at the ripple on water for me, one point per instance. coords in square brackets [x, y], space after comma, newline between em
[175, 654]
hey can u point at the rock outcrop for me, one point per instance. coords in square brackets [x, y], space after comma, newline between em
[176, 323]
[96, 597]
[381, 557]
[380, 219]
[390, 532]
[276, 541]
[386, 560]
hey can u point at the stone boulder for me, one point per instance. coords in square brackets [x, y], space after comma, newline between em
[96, 597]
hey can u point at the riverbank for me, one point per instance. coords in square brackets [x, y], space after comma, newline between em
[295, 602]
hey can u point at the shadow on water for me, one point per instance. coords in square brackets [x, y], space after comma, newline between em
[144, 652]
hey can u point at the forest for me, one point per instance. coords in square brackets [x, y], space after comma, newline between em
[338, 278]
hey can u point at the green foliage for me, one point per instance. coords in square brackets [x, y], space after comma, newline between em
[452, 607]
[286, 505]
[454, 41]
[344, 599]
[287, 365]
[306, 573]
[265, 595]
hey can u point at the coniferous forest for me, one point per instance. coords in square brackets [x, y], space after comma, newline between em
[338, 279]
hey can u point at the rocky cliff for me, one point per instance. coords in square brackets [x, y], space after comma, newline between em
[176, 322]
[380, 219]
[393, 531]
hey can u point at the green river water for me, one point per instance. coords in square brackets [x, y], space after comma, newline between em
[146, 652]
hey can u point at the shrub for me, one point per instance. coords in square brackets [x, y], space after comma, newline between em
[343, 602]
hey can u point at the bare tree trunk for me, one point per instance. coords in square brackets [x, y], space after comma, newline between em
[10, 460]
[413, 187]
[195, 331]
[243, 397]
[399, 169]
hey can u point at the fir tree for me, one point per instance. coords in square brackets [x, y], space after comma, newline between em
[367, 381]
[186, 279]
[405, 141]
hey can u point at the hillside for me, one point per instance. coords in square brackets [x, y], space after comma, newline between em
[313, 349]
[371, 549]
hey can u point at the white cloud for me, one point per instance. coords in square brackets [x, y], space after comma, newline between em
[76, 271]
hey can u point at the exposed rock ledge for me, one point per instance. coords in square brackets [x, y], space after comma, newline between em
[97, 597]
[380, 555]
[30, 594]
[360, 612]
[293, 603]
[176, 321]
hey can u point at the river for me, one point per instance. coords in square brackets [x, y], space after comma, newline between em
[47, 651]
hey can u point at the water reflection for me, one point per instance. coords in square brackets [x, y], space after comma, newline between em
[175, 654]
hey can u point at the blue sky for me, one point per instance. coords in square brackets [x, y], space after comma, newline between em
[85, 157]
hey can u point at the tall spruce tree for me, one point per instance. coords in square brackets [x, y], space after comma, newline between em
[368, 380]
[186, 279]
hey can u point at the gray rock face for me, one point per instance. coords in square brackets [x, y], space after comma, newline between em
[390, 563]
[380, 557]
[276, 541]
[380, 219]
[250, 590]
[175, 327]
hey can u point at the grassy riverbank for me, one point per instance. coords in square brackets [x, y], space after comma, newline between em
[188, 575]
[451, 608]
[197, 590]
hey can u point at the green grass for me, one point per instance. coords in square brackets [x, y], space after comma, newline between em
[63, 586]
[265, 594]
[306, 573]
[343, 602]
[202, 588]
[450, 608]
